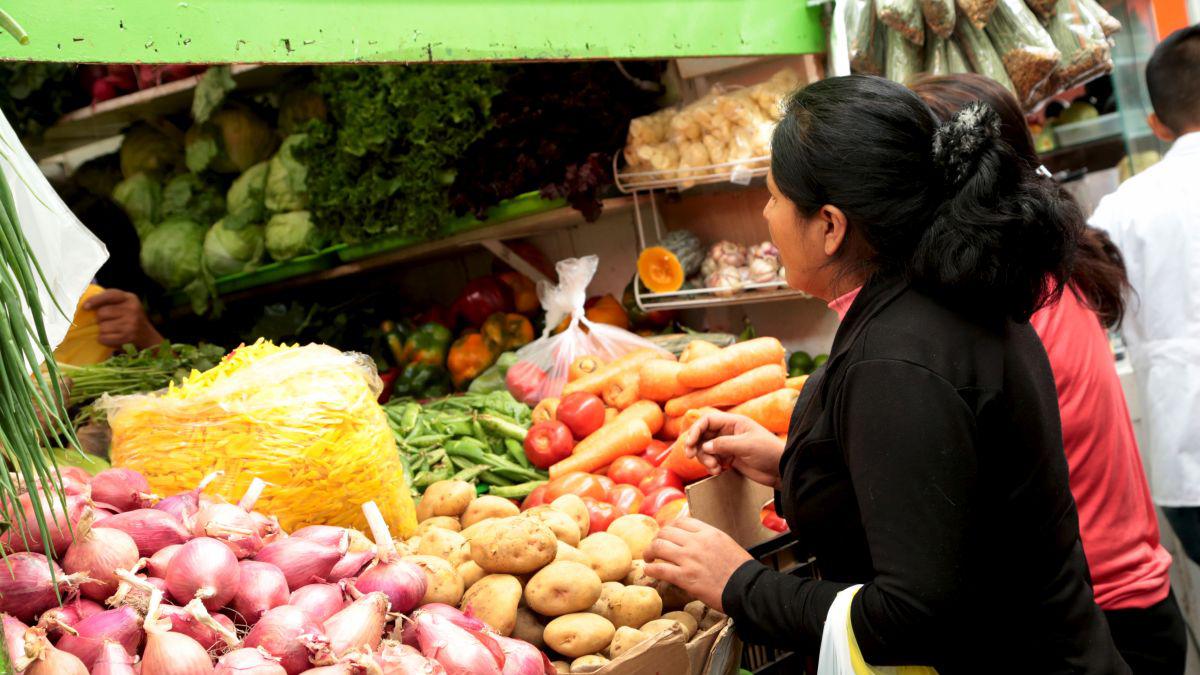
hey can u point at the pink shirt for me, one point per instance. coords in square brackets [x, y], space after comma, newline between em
[1116, 516]
[842, 303]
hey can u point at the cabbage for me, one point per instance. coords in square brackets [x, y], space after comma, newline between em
[286, 177]
[292, 234]
[228, 251]
[244, 201]
[148, 150]
[231, 141]
[190, 196]
[141, 197]
[173, 251]
[297, 107]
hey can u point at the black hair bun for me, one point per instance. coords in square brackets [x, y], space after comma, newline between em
[959, 143]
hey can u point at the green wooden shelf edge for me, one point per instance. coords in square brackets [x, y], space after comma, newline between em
[271, 273]
[366, 31]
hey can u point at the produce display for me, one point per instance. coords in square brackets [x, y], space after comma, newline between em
[679, 262]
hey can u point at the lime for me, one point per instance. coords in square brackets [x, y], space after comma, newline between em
[800, 363]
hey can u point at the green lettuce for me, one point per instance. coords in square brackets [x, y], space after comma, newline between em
[190, 196]
[286, 178]
[231, 251]
[244, 201]
[141, 197]
[172, 253]
[293, 234]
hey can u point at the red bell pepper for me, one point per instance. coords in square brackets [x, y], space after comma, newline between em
[482, 298]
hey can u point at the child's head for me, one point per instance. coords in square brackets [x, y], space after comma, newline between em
[1173, 80]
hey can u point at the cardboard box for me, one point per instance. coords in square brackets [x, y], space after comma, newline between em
[733, 504]
[715, 651]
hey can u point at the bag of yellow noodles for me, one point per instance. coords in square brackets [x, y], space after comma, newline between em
[303, 419]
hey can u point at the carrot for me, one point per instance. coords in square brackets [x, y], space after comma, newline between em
[697, 348]
[773, 410]
[622, 391]
[687, 468]
[671, 427]
[583, 365]
[660, 380]
[739, 389]
[648, 412]
[594, 382]
[782, 437]
[797, 382]
[610, 414]
[629, 436]
[731, 362]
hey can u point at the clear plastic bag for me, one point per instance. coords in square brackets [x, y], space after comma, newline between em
[977, 11]
[980, 53]
[553, 355]
[904, 17]
[1045, 9]
[904, 59]
[1028, 53]
[1085, 52]
[939, 16]
[861, 34]
[1108, 23]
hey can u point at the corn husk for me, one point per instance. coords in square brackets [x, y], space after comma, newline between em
[904, 17]
[936, 59]
[1085, 52]
[939, 17]
[1108, 23]
[863, 36]
[956, 61]
[980, 53]
[1045, 9]
[977, 11]
[904, 59]
[1028, 53]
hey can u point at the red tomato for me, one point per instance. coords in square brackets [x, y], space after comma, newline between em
[576, 483]
[658, 478]
[535, 498]
[629, 469]
[600, 513]
[656, 452]
[605, 482]
[671, 511]
[547, 443]
[771, 520]
[582, 412]
[659, 498]
[626, 498]
[525, 381]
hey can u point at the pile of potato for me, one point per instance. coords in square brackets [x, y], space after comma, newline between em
[539, 576]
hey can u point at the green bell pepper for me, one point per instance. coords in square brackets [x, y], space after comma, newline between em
[492, 379]
[423, 380]
[428, 344]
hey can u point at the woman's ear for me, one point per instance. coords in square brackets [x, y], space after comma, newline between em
[834, 223]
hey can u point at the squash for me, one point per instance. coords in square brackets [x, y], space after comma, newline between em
[687, 248]
[665, 267]
[470, 355]
[607, 310]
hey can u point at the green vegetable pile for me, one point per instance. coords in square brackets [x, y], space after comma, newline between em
[472, 437]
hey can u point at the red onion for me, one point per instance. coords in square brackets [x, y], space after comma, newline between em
[185, 504]
[113, 660]
[75, 473]
[158, 563]
[302, 562]
[151, 529]
[350, 565]
[71, 613]
[186, 623]
[98, 552]
[407, 630]
[402, 582]
[397, 659]
[26, 589]
[58, 525]
[522, 658]
[358, 625]
[125, 489]
[14, 637]
[460, 651]
[261, 586]
[268, 527]
[286, 632]
[44, 659]
[121, 625]
[321, 601]
[170, 653]
[328, 535]
[204, 568]
[248, 661]
[230, 524]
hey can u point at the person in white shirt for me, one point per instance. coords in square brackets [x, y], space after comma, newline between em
[1154, 218]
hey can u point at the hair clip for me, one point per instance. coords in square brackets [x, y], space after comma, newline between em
[1043, 171]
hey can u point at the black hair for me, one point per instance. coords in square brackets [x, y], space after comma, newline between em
[108, 222]
[952, 208]
[1173, 79]
[1098, 277]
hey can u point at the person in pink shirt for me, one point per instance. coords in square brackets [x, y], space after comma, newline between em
[1117, 522]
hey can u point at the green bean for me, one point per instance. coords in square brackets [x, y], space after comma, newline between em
[516, 491]
[517, 452]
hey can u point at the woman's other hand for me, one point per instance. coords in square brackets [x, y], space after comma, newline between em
[696, 557]
[721, 441]
[122, 320]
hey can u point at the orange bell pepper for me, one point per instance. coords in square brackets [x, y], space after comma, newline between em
[469, 356]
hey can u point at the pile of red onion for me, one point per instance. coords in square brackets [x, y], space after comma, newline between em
[193, 584]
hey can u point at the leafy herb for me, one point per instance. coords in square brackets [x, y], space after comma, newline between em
[210, 92]
[34, 95]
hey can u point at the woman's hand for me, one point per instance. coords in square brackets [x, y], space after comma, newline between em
[721, 441]
[122, 320]
[696, 557]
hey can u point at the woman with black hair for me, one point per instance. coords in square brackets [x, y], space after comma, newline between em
[926, 463]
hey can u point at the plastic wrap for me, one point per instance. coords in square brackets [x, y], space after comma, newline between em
[554, 354]
[936, 59]
[1085, 52]
[862, 37]
[1028, 53]
[904, 59]
[904, 17]
[303, 419]
[977, 11]
[939, 16]
[980, 53]
[1108, 23]
[956, 61]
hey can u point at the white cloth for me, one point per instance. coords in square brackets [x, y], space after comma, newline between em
[1154, 218]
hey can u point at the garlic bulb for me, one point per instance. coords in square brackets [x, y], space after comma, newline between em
[727, 279]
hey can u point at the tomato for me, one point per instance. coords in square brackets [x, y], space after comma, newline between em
[606, 482]
[547, 443]
[656, 452]
[535, 498]
[629, 469]
[582, 412]
[771, 520]
[600, 513]
[525, 381]
[671, 511]
[576, 483]
[658, 478]
[626, 498]
[659, 498]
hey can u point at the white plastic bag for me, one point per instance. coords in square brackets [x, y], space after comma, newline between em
[552, 355]
[839, 653]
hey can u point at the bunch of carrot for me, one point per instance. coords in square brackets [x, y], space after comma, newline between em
[651, 393]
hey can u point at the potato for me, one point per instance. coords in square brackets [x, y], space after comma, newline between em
[518, 546]
[608, 554]
[689, 622]
[441, 543]
[529, 627]
[569, 552]
[488, 506]
[659, 625]
[696, 609]
[493, 599]
[561, 666]
[711, 618]
[411, 544]
[562, 587]
[588, 664]
[637, 531]
[469, 572]
[634, 606]
[637, 574]
[564, 527]
[673, 597]
[444, 522]
[444, 584]
[603, 605]
[445, 498]
[624, 639]
[573, 506]
[472, 531]
[576, 635]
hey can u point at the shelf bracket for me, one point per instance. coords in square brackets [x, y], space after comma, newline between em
[509, 256]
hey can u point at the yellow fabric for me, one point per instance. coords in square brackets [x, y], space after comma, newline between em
[81, 346]
[861, 667]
